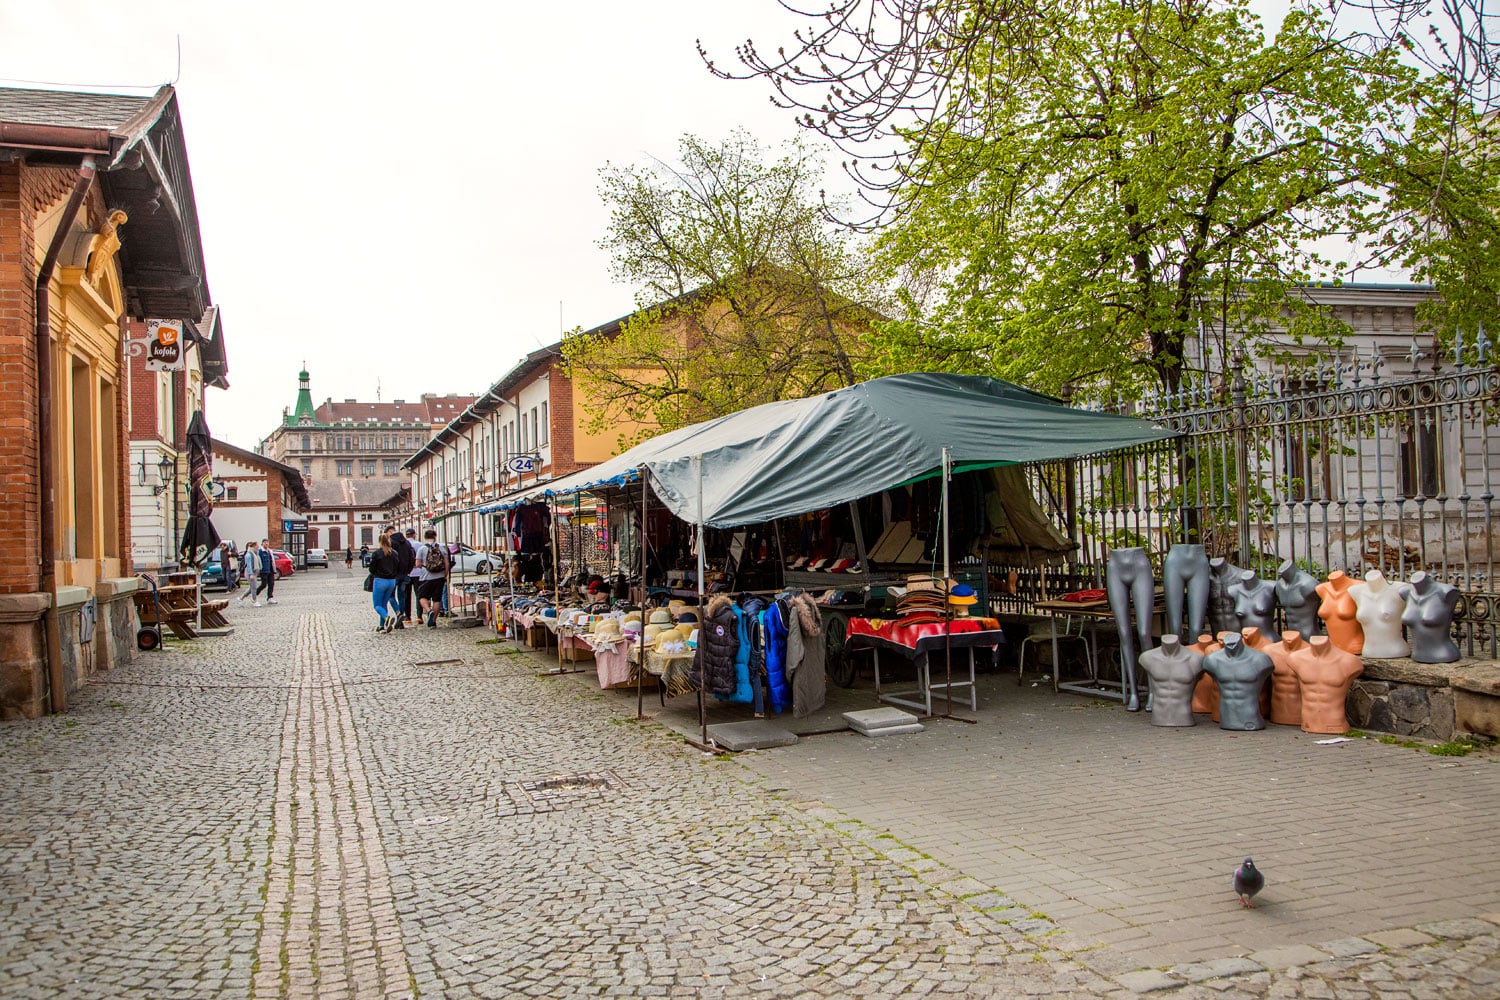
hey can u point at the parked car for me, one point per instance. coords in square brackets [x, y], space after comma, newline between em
[213, 572]
[316, 557]
[283, 562]
[473, 562]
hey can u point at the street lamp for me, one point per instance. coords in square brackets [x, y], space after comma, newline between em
[166, 472]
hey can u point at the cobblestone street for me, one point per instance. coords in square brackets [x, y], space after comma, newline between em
[309, 809]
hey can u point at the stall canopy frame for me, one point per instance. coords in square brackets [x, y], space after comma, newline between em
[794, 456]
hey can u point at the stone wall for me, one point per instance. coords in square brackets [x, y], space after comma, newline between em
[1434, 701]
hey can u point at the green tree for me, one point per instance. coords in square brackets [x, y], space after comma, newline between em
[1075, 187]
[748, 293]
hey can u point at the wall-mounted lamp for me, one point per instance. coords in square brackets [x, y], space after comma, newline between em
[166, 472]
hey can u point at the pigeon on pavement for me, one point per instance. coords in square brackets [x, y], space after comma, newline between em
[1248, 881]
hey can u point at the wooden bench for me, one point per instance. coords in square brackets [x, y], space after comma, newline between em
[181, 621]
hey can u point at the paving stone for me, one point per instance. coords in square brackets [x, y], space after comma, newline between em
[262, 795]
[757, 734]
[1400, 937]
[1287, 957]
[1460, 929]
[1348, 947]
[1197, 972]
[1148, 981]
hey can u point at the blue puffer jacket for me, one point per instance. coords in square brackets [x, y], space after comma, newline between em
[773, 629]
[742, 694]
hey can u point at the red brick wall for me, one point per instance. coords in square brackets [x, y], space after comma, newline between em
[560, 412]
[25, 193]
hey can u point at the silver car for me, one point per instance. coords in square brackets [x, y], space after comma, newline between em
[316, 557]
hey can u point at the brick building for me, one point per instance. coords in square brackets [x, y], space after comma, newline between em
[97, 229]
[260, 495]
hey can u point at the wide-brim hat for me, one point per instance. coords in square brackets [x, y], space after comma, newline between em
[687, 615]
[649, 636]
[632, 616]
[606, 626]
[661, 616]
[632, 625]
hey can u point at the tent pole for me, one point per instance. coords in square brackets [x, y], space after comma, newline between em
[640, 669]
[702, 673]
[947, 596]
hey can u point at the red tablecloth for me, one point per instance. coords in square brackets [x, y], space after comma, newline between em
[910, 634]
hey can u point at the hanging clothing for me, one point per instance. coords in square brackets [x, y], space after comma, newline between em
[742, 693]
[773, 630]
[718, 648]
[531, 527]
[805, 656]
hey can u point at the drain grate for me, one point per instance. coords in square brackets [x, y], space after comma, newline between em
[557, 792]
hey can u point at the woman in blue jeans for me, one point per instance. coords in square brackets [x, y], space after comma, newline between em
[385, 567]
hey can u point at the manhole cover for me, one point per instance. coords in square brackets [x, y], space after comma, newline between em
[558, 791]
[431, 821]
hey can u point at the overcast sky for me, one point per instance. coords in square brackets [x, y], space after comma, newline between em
[403, 199]
[407, 202]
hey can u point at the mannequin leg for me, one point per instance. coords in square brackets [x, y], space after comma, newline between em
[1141, 594]
[1174, 579]
[1128, 578]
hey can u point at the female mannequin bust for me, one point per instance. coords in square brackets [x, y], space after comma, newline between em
[1429, 614]
[1324, 673]
[1337, 612]
[1378, 606]
[1286, 693]
[1254, 602]
[1173, 669]
[1297, 593]
[1241, 673]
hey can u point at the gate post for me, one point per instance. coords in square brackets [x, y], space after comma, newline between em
[1241, 460]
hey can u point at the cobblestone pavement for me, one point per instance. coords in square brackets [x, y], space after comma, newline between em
[308, 809]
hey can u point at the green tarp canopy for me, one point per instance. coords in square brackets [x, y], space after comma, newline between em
[798, 455]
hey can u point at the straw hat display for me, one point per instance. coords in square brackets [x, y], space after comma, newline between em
[661, 616]
[606, 628]
[652, 631]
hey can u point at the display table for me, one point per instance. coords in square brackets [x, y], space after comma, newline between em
[916, 642]
[610, 659]
[671, 669]
[1093, 617]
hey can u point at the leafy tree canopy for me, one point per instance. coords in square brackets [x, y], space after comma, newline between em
[748, 294]
[1076, 186]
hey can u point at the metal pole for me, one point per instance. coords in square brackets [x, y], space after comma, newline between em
[947, 596]
[702, 673]
[640, 670]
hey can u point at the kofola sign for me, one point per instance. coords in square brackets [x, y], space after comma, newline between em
[163, 345]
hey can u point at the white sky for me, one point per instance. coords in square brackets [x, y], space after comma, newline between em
[403, 196]
[407, 199]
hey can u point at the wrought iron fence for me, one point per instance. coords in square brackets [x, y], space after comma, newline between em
[1334, 463]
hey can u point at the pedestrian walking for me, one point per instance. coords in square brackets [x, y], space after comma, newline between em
[405, 548]
[385, 568]
[432, 557]
[261, 564]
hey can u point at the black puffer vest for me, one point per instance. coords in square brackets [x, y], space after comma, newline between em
[718, 644]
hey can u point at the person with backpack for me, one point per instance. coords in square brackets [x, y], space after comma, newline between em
[406, 561]
[433, 579]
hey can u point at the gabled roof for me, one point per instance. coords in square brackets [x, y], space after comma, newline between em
[293, 479]
[427, 411]
[139, 149]
[375, 492]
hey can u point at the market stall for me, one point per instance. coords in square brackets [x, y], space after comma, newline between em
[795, 457]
